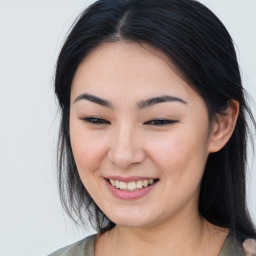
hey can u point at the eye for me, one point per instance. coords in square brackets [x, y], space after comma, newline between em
[161, 122]
[95, 120]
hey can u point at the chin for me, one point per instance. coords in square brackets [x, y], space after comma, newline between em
[136, 219]
[132, 223]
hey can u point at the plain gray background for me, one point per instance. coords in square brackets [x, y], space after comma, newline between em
[31, 34]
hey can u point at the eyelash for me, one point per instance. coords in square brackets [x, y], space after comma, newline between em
[161, 122]
[95, 120]
[156, 122]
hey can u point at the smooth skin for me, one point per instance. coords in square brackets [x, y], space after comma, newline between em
[169, 141]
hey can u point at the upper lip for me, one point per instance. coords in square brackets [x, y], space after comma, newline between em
[128, 179]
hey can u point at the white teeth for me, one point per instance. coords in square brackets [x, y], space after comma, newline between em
[123, 185]
[139, 184]
[117, 184]
[131, 186]
[145, 183]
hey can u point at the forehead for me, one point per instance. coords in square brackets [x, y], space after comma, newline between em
[129, 69]
[127, 49]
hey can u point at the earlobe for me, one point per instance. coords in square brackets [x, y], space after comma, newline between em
[223, 127]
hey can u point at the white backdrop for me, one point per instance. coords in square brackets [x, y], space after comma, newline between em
[31, 33]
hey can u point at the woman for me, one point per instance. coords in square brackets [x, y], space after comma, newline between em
[153, 131]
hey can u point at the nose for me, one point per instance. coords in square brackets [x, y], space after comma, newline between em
[126, 147]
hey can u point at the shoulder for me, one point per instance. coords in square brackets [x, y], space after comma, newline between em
[84, 247]
[235, 247]
[249, 246]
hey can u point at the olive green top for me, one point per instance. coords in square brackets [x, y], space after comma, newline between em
[85, 247]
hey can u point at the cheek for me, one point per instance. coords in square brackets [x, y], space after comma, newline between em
[85, 155]
[88, 157]
[88, 150]
[181, 160]
[181, 154]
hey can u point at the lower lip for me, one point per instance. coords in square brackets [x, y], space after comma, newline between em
[129, 195]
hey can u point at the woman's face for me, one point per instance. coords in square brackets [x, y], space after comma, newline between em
[134, 121]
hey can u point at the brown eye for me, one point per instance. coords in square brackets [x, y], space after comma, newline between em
[95, 120]
[161, 122]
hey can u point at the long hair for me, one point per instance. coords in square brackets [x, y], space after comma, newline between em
[202, 51]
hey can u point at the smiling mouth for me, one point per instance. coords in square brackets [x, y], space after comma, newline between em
[133, 185]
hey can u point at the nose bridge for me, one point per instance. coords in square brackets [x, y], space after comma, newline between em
[126, 148]
[123, 135]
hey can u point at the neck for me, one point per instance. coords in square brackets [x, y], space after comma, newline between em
[149, 241]
[178, 236]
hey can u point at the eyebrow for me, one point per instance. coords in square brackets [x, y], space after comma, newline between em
[140, 105]
[160, 99]
[94, 99]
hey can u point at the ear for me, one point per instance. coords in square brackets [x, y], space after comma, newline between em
[223, 127]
